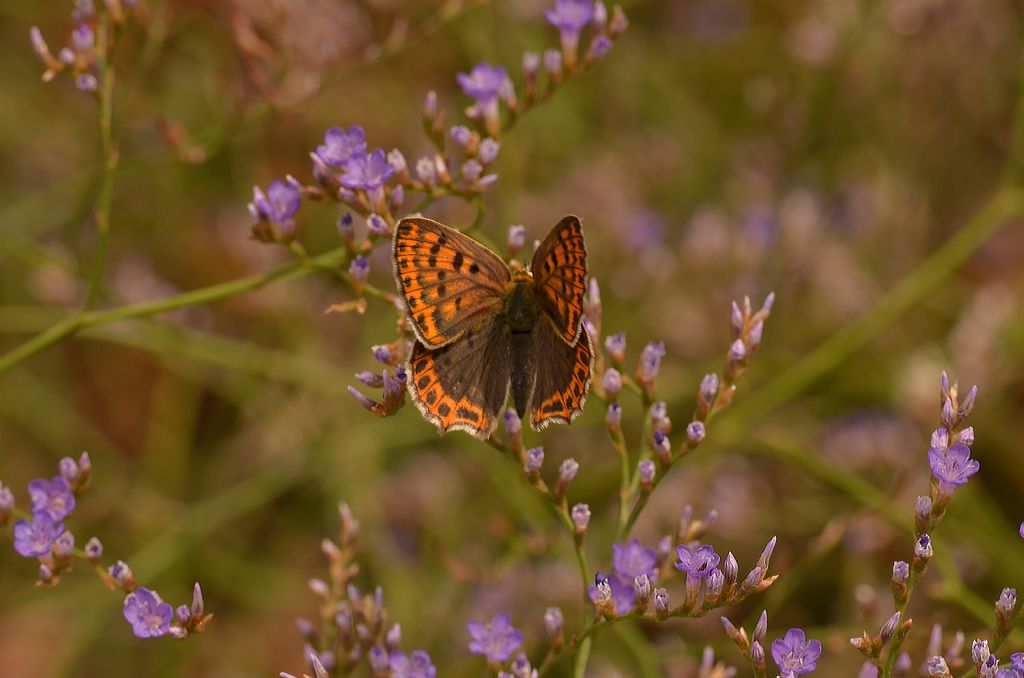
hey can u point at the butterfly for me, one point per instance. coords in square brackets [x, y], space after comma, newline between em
[485, 330]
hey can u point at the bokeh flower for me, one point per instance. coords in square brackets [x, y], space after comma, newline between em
[496, 640]
[416, 665]
[483, 82]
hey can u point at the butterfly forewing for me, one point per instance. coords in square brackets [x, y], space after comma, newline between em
[559, 273]
[563, 376]
[464, 384]
[448, 280]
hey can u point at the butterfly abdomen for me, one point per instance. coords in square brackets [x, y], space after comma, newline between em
[522, 314]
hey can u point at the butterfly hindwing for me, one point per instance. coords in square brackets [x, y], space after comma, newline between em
[563, 376]
[448, 281]
[559, 275]
[463, 384]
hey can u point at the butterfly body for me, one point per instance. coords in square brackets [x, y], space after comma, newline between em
[486, 332]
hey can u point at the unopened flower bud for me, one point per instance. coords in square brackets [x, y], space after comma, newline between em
[488, 151]
[645, 471]
[615, 345]
[359, 270]
[980, 652]
[612, 382]
[661, 602]
[534, 460]
[761, 628]
[613, 417]
[923, 548]
[553, 621]
[889, 628]
[937, 667]
[757, 653]
[93, 550]
[940, 439]
[731, 569]
[642, 589]
[516, 239]
[695, 432]
[580, 517]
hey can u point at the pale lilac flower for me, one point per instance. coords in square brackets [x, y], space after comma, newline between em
[697, 563]
[149, 616]
[339, 146]
[496, 640]
[646, 470]
[794, 654]
[52, 497]
[570, 17]
[368, 172]
[34, 539]
[279, 204]
[483, 83]
[632, 559]
[953, 467]
[936, 666]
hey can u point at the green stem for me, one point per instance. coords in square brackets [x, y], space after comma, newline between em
[79, 321]
[105, 98]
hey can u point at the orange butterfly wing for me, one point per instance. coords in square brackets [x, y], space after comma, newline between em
[464, 384]
[448, 281]
[559, 270]
[563, 376]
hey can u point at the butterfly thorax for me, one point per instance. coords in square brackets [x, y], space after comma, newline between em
[521, 306]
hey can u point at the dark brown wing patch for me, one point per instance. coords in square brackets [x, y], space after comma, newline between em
[446, 279]
[463, 385]
[563, 376]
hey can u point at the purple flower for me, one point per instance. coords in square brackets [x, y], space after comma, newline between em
[416, 665]
[149, 616]
[696, 563]
[52, 497]
[1017, 661]
[340, 145]
[631, 560]
[279, 204]
[496, 640]
[35, 539]
[484, 82]
[953, 467]
[1022, 530]
[368, 172]
[570, 16]
[794, 654]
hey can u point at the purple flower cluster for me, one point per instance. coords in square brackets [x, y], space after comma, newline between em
[45, 538]
[79, 58]
[53, 500]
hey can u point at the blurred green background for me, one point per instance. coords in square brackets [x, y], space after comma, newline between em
[825, 150]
